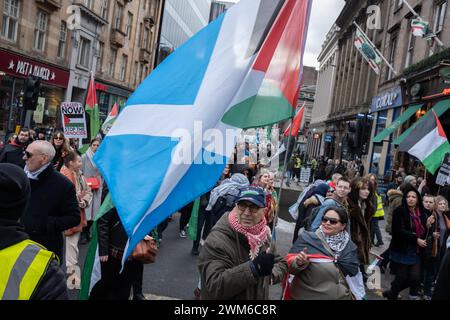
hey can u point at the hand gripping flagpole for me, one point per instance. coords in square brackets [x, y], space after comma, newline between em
[375, 48]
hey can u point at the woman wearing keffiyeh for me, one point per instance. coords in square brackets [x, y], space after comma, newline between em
[323, 264]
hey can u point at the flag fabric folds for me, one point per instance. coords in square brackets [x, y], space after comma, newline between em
[92, 109]
[247, 60]
[110, 119]
[365, 47]
[419, 27]
[427, 142]
[296, 123]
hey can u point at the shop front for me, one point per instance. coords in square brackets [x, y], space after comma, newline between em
[108, 95]
[14, 71]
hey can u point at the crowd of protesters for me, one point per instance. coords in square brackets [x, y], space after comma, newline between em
[57, 192]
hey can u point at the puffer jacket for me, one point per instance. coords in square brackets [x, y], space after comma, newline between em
[395, 201]
[224, 267]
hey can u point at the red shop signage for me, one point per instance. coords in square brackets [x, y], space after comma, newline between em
[22, 67]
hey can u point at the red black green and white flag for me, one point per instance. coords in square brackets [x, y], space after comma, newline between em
[427, 142]
[110, 119]
[419, 27]
[92, 109]
[365, 47]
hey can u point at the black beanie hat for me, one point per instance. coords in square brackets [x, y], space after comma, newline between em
[14, 191]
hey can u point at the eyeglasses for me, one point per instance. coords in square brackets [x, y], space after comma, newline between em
[58, 138]
[332, 221]
[29, 155]
[251, 207]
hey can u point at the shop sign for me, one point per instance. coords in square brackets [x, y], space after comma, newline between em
[388, 99]
[328, 138]
[18, 66]
[74, 120]
[38, 115]
[444, 172]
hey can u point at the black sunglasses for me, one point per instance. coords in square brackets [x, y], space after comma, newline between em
[332, 221]
[29, 155]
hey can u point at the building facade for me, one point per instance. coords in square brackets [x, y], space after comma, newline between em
[320, 143]
[32, 44]
[420, 84]
[61, 42]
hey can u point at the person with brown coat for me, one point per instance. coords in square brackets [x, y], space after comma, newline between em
[235, 262]
[361, 212]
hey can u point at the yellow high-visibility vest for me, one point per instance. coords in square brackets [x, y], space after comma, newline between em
[380, 211]
[22, 267]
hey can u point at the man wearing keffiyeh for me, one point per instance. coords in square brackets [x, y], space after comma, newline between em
[236, 262]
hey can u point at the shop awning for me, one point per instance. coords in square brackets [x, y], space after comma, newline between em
[439, 108]
[397, 123]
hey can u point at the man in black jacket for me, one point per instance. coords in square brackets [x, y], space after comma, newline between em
[44, 281]
[53, 205]
[13, 152]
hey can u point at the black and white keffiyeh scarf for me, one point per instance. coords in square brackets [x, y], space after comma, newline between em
[337, 242]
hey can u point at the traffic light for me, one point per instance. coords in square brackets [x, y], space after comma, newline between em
[31, 95]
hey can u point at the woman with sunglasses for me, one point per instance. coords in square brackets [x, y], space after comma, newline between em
[61, 145]
[321, 262]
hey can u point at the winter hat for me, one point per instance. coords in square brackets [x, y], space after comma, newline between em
[14, 191]
[322, 189]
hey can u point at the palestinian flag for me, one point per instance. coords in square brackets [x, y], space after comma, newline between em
[296, 123]
[419, 27]
[74, 121]
[365, 47]
[91, 270]
[92, 109]
[427, 142]
[110, 120]
[269, 93]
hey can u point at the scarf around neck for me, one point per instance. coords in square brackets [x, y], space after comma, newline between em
[33, 175]
[90, 156]
[419, 229]
[337, 242]
[256, 236]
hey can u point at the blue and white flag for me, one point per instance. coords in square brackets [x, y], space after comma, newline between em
[170, 143]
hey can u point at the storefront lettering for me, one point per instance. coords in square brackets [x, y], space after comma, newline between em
[27, 69]
[387, 100]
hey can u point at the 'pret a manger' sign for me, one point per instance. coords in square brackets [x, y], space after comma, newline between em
[23, 67]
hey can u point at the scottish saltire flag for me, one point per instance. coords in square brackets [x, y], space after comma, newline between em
[240, 71]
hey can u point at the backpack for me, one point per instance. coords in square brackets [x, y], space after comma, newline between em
[223, 204]
[309, 220]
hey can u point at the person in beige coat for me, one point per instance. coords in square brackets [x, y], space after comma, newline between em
[321, 262]
[235, 262]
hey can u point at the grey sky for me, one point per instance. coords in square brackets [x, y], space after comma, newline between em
[323, 15]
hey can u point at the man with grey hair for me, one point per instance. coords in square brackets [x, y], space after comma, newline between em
[53, 205]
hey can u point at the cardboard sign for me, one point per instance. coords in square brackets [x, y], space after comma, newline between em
[443, 176]
[74, 120]
[38, 115]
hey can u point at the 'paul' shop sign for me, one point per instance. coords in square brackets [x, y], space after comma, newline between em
[388, 99]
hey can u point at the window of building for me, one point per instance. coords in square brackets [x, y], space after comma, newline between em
[145, 39]
[104, 9]
[129, 25]
[62, 39]
[40, 30]
[392, 52]
[84, 52]
[398, 4]
[88, 3]
[101, 48]
[139, 35]
[123, 67]
[439, 16]
[112, 62]
[118, 19]
[10, 19]
[135, 74]
[141, 71]
[410, 50]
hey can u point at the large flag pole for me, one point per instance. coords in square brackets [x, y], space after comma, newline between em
[438, 41]
[375, 48]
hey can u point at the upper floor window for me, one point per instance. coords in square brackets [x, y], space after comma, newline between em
[123, 67]
[10, 19]
[104, 9]
[62, 39]
[129, 25]
[101, 47]
[112, 62]
[84, 53]
[88, 3]
[394, 40]
[40, 30]
[118, 19]
[439, 16]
